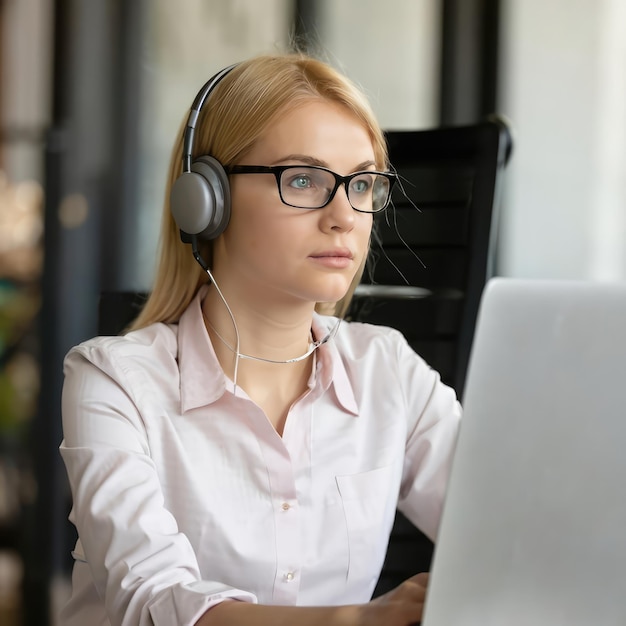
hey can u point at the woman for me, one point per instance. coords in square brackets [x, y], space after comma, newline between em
[238, 457]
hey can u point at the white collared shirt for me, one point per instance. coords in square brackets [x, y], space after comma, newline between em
[184, 494]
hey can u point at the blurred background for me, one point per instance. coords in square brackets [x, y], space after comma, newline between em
[92, 93]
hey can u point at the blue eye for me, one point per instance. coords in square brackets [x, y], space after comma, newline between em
[362, 184]
[300, 182]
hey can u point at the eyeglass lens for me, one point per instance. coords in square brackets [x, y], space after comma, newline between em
[309, 187]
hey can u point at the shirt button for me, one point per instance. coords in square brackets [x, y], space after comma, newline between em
[289, 576]
[286, 506]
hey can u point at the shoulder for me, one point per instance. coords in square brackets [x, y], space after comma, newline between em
[380, 357]
[375, 354]
[154, 345]
[388, 379]
[359, 340]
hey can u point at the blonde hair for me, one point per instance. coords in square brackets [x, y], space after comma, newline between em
[238, 111]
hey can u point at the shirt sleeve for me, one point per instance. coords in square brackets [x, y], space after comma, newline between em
[144, 569]
[434, 415]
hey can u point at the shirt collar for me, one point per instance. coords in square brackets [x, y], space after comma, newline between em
[330, 364]
[202, 380]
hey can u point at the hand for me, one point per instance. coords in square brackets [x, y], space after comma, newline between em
[401, 606]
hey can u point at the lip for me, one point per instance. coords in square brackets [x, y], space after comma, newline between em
[342, 253]
[336, 258]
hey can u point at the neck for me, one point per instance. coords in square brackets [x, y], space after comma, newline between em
[271, 336]
[235, 349]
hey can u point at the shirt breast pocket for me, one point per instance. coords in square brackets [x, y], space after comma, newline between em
[369, 504]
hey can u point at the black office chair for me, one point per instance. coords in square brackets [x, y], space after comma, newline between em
[117, 309]
[433, 256]
[436, 249]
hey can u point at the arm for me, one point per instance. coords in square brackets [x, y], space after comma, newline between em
[434, 415]
[402, 606]
[241, 613]
[144, 568]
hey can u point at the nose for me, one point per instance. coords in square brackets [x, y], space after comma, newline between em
[338, 214]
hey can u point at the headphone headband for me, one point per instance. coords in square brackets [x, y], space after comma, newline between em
[194, 113]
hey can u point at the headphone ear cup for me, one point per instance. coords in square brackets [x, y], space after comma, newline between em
[200, 199]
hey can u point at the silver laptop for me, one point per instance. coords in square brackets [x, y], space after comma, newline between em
[534, 525]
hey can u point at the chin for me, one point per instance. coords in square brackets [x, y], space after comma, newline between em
[322, 292]
[327, 301]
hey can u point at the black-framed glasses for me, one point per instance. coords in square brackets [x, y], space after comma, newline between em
[313, 187]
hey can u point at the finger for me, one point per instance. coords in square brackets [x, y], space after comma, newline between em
[421, 579]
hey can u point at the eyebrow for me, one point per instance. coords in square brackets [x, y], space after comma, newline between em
[309, 160]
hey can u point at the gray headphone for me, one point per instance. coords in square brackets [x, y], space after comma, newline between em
[200, 196]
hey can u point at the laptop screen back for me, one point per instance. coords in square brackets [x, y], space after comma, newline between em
[534, 524]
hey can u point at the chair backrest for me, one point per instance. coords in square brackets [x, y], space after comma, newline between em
[436, 250]
[433, 257]
[117, 309]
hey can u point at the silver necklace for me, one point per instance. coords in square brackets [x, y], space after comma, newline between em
[313, 345]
